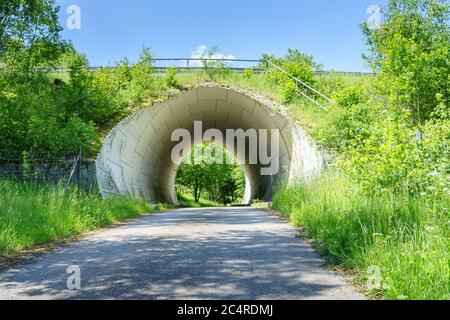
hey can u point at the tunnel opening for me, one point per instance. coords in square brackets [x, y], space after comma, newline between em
[210, 176]
[137, 160]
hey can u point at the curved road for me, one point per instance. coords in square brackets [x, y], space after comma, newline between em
[225, 253]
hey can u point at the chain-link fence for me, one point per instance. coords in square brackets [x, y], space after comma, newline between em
[43, 168]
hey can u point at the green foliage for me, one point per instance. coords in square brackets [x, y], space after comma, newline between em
[346, 126]
[351, 119]
[221, 181]
[171, 77]
[29, 36]
[143, 85]
[248, 73]
[411, 54]
[33, 119]
[47, 120]
[33, 215]
[406, 237]
[214, 69]
[187, 200]
[298, 65]
[351, 96]
[390, 159]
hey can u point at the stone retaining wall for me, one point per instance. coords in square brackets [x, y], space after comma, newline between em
[52, 172]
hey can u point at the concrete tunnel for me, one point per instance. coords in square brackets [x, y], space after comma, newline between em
[135, 158]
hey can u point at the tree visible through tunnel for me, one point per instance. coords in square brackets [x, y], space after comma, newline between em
[208, 181]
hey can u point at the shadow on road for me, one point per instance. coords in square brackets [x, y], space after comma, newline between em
[229, 253]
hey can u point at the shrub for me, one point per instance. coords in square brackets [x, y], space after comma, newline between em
[350, 120]
[393, 158]
[170, 77]
[248, 73]
[298, 65]
[33, 120]
[350, 96]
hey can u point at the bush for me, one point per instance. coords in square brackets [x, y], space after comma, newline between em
[411, 54]
[248, 73]
[170, 77]
[34, 119]
[298, 65]
[350, 120]
[350, 96]
[42, 118]
[392, 158]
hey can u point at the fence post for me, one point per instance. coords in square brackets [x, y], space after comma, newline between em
[80, 161]
[80, 156]
[324, 159]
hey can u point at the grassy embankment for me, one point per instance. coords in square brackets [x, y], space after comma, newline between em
[404, 237]
[32, 215]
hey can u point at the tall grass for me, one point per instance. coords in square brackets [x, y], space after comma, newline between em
[406, 237]
[32, 214]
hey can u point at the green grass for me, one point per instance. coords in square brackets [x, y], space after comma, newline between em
[406, 237]
[308, 115]
[32, 215]
[187, 200]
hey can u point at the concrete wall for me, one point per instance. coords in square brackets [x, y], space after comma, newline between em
[136, 155]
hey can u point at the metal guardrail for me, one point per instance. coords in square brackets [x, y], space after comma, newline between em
[304, 85]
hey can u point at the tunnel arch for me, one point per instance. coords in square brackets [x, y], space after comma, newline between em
[135, 158]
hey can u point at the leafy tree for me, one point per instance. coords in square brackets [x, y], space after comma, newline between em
[214, 68]
[411, 54]
[223, 182]
[29, 35]
[194, 176]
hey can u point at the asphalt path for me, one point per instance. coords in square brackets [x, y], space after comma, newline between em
[211, 253]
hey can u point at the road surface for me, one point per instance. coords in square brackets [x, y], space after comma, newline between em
[225, 253]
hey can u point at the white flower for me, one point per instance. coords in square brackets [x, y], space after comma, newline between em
[433, 173]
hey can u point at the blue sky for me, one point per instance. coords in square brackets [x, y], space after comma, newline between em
[327, 29]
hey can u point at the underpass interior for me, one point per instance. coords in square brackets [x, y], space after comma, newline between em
[136, 157]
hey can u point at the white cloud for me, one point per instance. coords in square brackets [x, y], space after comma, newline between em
[202, 51]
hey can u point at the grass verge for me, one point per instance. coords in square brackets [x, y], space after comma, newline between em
[406, 238]
[32, 215]
[187, 200]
